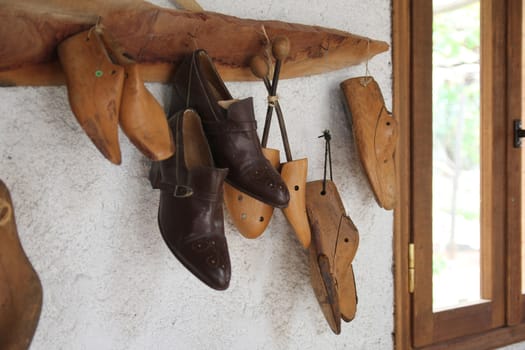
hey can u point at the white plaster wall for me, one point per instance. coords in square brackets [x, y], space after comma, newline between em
[90, 228]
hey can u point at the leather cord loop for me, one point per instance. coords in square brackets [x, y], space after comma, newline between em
[327, 157]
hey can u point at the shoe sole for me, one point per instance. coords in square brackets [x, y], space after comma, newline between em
[259, 198]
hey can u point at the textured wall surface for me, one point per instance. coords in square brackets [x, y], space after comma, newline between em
[90, 228]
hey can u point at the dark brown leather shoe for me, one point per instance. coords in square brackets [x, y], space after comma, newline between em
[231, 130]
[190, 213]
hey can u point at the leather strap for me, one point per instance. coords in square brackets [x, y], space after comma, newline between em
[182, 189]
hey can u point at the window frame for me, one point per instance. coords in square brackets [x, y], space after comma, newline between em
[416, 325]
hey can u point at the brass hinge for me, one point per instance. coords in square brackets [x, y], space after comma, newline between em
[411, 267]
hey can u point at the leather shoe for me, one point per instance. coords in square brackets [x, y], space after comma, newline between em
[190, 214]
[231, 130]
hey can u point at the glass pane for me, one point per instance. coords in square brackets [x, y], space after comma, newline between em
[456, 153]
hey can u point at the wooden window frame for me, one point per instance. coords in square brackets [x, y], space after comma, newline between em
[501, 104]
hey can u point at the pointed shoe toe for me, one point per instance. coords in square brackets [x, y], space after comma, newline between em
[231, 130]
[262, 182]
[250, 171]
[206, 259]
[190, 215]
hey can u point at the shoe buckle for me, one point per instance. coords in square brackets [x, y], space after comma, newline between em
[182, 191]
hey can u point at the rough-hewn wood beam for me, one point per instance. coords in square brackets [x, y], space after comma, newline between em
[158, 38]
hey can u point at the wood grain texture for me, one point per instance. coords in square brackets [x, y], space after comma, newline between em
[141, 117]
[460, 321]
[154, 35]
[401, 63]
[375, 134]
[493, 145]
[345, 250]
[493, 339]
[429, 326]
[20, 287]
[249, 215]
[421, 154]
[294, 174]
[334, 243]
[515, 175]
[474, 326]
[324, 288]
[94, 86]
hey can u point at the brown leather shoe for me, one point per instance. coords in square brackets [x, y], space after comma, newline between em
[20, 288]
[190, 213]
[231, 130]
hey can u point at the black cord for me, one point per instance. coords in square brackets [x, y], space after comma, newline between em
[327, 158]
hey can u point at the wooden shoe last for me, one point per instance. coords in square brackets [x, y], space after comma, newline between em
[141, 117]
[294, 174]
[20, 287]
[334, 245]
[94, 86]
[249, 215]
[375, 133]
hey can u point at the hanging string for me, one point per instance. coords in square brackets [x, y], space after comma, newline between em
[193, 38]
[189, 80]
[98, 27]
[267, 44]
[327, 158]
[194, 41]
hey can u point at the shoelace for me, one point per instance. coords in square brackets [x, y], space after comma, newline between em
[327, 157]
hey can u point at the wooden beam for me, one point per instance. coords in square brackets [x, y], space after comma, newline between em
[159, 38]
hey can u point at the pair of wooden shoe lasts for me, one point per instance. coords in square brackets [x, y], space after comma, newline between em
[333, 248]
[249, 215]
[105, 89]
